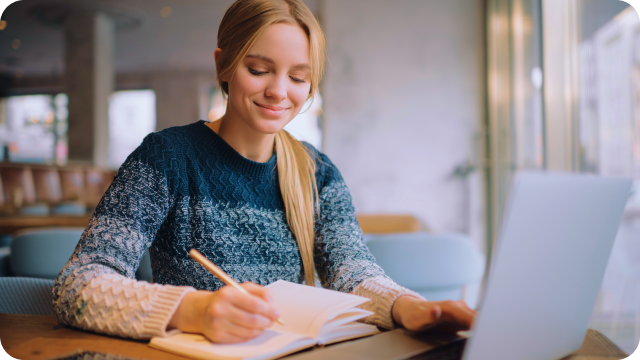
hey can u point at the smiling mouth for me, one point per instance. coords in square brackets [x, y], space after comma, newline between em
[272, 108]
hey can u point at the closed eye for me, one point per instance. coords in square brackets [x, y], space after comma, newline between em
[297, 80]
[256, 72]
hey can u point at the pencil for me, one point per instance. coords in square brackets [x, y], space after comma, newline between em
[220, 274]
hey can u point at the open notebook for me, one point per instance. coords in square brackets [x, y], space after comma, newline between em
[311, 316]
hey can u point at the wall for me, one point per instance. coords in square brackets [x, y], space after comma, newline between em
[404, 99]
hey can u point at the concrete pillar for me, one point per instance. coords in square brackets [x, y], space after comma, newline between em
[89, 81]
[181, 98]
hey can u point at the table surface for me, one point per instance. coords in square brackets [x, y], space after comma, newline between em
[40, 337]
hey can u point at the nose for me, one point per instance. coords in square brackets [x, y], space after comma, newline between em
[276, 88]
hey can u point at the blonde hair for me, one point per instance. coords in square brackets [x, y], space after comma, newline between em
[242, 24]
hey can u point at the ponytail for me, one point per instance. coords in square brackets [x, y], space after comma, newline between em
[242, 24]
[296, 174]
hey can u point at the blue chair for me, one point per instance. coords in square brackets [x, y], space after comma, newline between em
[4, 261]
[70, 208]
[437, 266]
[42, 253]
[35, 210]
[144, 271]
[26, 296]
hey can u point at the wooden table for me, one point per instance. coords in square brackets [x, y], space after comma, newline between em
[11, 224]
[40, 337]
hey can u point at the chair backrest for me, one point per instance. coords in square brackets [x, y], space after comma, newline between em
[69, 208]
[26, 296]
[426, 262]
[42, 253]
[47, 184]
[19, 188]
[389, 223]
[73, 185]
[97, 183]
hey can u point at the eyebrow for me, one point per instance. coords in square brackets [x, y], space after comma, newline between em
[270, 61]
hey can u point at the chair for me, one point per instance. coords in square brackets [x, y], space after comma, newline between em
[389, 223]
[47, 185]
[5, 251]
[26, 296]
[69, 208]
[437, 266]
[19, 190]
[73, 184]
[42, 253]
[144, 271]
[97, 182]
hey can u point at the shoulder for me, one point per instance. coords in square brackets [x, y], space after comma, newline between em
[326, 170]
[175, 139]
[162, 150]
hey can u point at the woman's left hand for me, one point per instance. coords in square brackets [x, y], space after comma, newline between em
[443, 316]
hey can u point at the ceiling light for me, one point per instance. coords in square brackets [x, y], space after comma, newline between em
[165, 12]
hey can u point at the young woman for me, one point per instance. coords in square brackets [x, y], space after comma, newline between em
[243, 192]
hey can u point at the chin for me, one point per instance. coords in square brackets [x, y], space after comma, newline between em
[269, 126]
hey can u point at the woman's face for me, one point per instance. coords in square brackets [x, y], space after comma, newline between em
[272, 82]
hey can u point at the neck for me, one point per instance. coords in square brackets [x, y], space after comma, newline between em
[247, 142]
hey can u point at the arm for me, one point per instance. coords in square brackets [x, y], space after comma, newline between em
[96, 290]
[343, 261]
[345, 264]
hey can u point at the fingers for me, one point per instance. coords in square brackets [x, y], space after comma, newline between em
[264, 294]
[259, 291]
[225, 332]
[248, 320]
[250, 303]
[447, 316]
[243, 332]
[458, 313]
[436, 313]
[233, 316]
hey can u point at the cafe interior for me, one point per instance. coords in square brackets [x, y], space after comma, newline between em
[427, 108]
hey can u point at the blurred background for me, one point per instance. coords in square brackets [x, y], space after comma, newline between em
[428, 108]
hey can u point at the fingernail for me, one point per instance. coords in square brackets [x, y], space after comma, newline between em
[437, 312]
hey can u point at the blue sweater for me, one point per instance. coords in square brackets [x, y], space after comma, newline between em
[185, 187]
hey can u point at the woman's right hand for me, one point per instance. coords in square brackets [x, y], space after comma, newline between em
[226, 315]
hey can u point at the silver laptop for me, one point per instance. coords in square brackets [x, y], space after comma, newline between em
[550, 258]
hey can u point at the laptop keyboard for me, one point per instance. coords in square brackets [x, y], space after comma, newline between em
[451, 351]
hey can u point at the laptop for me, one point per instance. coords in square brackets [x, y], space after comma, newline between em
[555, 239]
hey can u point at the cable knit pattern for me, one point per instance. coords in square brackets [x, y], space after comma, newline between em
[383, 292]
[116, 305]
[184, 188]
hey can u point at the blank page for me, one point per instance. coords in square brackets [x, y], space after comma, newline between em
[305, 309]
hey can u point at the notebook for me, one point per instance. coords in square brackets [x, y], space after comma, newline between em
[311, 316]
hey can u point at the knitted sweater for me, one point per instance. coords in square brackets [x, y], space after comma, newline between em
[183, 188]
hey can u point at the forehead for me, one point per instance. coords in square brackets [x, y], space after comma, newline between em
[284, 43]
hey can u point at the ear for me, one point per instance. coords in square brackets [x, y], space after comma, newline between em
[216, 55]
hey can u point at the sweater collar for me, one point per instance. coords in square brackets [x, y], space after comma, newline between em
[231, 156]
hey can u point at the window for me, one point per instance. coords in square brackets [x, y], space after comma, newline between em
[132, 116]
[33, 128]
[608, 137]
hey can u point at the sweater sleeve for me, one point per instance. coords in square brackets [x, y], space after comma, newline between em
[96, 289]
[343, 261]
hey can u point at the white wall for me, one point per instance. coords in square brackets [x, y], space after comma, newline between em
[404, 94]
